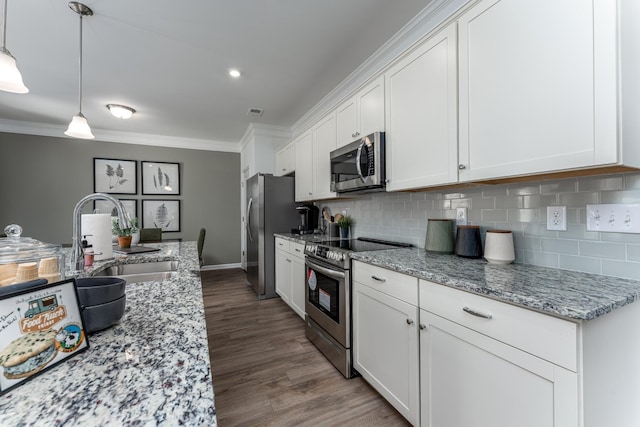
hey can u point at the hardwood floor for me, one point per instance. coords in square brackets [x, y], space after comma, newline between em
[265, 371]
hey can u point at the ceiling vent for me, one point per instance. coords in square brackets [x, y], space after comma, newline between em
[255, 112]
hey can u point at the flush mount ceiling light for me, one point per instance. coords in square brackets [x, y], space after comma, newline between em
[10, 77]
[121, 111]
[235, 73]
[79, 127]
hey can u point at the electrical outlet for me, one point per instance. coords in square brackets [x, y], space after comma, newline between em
[461, 216]
[557, 218]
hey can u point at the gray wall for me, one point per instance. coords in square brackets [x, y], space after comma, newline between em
[518, 207]
[42, 179]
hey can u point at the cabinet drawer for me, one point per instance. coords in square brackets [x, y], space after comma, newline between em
[282, 244]
[389, 282]
[544, 336]
[296, 249]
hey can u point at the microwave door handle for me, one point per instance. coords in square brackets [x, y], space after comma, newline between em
[359, 153]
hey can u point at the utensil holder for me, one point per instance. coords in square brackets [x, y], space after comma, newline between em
[439, 236]
[498, 247]
[468, 242]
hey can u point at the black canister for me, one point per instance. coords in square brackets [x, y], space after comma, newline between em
[468, 242]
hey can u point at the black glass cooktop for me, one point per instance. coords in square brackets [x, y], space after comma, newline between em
[362, 244]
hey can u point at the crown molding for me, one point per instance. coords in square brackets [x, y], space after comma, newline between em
[256, 130]
[43, 129]
[432, 16]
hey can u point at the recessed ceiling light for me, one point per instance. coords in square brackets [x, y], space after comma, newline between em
[121, 111]
[234, 72]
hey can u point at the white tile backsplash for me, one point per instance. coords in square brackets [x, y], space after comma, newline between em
[519, 207]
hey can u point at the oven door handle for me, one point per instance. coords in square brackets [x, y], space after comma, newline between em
[324, 270]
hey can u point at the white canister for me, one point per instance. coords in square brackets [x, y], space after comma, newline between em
[498, 247]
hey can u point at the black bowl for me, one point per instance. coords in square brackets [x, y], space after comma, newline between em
[99, 290]
[102, 316]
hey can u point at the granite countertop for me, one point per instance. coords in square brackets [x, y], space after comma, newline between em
[572, 295]
[150, 369]
[303, 238]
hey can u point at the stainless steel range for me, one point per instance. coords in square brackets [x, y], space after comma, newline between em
[328, 296]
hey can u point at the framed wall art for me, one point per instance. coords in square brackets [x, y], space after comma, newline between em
[115, 176]
[164, 214]
[106, 206]
[160, 178]
[41, 325]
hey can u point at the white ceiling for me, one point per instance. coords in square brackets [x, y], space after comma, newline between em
[169, 59]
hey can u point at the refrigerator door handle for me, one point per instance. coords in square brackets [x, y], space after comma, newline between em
[248, 216]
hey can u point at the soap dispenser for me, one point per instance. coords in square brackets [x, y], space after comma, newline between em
[87, 250]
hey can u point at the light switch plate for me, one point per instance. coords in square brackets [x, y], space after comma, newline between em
[557, 218]
[461, 216]
[614, 218]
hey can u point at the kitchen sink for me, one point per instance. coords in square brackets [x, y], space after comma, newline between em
[143, 272]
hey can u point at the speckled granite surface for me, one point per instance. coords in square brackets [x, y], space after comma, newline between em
[151, 369]
[577, 296]
[302, 238]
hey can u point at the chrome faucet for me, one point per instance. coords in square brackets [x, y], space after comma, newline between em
[77, 259]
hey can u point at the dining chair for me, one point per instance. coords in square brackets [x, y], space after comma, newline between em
[201, 236]
[148, 235]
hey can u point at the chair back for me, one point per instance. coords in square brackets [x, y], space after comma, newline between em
[150, 235]
[201, 236]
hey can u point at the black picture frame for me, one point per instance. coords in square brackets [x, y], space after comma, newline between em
[115, 176]
[161, 213]
[44, 311]
[160, 178]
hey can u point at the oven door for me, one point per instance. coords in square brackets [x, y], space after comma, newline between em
[327, 299]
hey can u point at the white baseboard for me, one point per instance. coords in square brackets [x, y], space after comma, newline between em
[220, 266]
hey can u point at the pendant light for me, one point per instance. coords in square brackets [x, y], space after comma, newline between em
[10, 77]
[79, 127]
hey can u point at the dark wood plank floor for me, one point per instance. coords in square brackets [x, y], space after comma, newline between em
[266, 373]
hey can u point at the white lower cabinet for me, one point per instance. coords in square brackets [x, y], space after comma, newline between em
[290, 274]
[385, 335]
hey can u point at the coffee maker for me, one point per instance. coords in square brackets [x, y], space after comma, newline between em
[308, 219]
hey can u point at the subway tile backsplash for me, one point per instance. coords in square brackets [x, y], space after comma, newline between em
[519, 207]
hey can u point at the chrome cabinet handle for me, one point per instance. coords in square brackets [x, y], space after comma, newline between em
[477, 313]
[298, 250]
[422, 326]
[409, 322]
[379, 279]
[461, 167]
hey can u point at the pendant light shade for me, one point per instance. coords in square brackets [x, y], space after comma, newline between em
[79, 127]
[10, 77]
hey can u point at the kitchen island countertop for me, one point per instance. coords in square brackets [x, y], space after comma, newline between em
[569, 294]
[150, 369]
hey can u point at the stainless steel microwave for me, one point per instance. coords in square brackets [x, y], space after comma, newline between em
[359, 165]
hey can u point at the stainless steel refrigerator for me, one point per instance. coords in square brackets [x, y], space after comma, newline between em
[270, 209]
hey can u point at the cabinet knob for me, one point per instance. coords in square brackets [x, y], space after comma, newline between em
[409, 322]
[461, 166]
[309, 192]
[353, 135]
[357, 133]
[423, 326]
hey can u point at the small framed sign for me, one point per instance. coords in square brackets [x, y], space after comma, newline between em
[41, 325]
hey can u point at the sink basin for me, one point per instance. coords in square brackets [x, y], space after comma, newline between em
[143, 272]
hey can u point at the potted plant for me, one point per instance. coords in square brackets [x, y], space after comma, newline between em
[124, 234]
[344, 223]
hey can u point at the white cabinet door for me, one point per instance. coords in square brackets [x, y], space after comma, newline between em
[298, 284]
[370, 101]
[324, 141]
[361, 114]
[537, 87]
[285, 160]
[385, 346]
[304, 166]
[283, 271]
[421, 115]
[346, 122]
[470, 379]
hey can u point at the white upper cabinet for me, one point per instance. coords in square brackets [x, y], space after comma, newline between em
[324, 141]
[304, 166]
[537, 87]
[421, 117]
[285, 160]
[361, 114]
